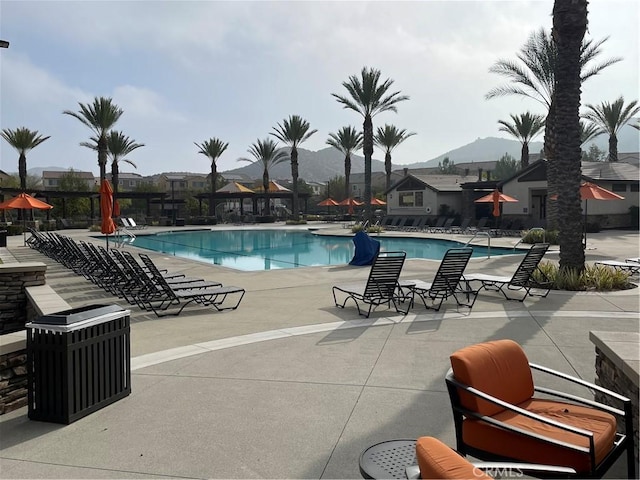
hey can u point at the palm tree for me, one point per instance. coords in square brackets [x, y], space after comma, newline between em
[368, 97]
[213, 149]
[347, 140]
[569, 27]
[524, 128]
[389, 138]
[266, 151]
[100, 116]
[609, 118]
[293, 132]
[118, 146]
[23, 140]
[534, 77]
[588, 131]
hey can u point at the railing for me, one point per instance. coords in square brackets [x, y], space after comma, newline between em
[123, 235]
[482, 234]
[534, 229]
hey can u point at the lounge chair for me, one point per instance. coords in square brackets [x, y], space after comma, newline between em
[522, 278]
[438, 225]
[630, 265]
[447, 282]
[381, 288]
[169, 296]
[463, 227]
[499, 413]
[134, 225]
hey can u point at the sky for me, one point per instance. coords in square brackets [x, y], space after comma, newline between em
[188, 71]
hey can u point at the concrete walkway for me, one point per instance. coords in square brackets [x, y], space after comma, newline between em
[288, 385]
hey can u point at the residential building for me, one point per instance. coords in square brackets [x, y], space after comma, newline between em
[51, 178]
[128, 182]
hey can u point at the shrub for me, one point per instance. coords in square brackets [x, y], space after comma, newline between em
[296, 222]
[538, 236]
[597, 277]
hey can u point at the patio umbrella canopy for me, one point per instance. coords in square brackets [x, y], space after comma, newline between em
[24, 201]
[106, 209]
[377, 201]
[350, 202]
[496, 197]
[328, 202]
[591, 191]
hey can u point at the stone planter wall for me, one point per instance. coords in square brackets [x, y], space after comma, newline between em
[617, 355]
[14, 278]
[13, 381]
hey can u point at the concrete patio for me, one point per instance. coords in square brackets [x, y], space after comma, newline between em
[288, 385]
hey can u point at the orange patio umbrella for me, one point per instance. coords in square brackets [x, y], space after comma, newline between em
[328, 202]
[106, 209]
[496, 197]
[350, 202]
[377, 201]
[116, 208]
[591, 191]
[24, 201]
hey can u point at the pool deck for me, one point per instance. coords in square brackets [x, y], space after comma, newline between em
[288, 385]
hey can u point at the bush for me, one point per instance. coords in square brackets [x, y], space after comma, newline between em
[14, 229]
[538, 236]
[296, 222]
[598, 278]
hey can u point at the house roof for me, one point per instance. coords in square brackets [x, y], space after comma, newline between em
[62, 173]
[438, 183]
[610, 171]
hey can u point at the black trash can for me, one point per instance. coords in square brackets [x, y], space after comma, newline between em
[3, 238]
[78, 361]
[179, 222]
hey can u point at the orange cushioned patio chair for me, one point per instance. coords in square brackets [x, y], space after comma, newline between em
[497, 416]
[437, 460]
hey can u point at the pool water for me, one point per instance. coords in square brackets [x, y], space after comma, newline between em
[255, 250]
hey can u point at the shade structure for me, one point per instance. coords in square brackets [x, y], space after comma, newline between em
[234, 187]
[377, 201]
[496, 197]
[106, 209]
[274, 187]
[350, 202]
[24, 201]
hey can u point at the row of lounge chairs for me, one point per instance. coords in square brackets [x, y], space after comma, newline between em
[443, 224]
[140, 284]
[385, 287]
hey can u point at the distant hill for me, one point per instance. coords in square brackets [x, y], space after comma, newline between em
[317, 166]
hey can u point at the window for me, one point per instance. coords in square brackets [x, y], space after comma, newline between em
[411, 199]
[419, 196]
[618, 187]
[634, 187]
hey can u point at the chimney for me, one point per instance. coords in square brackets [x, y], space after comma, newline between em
[479, 174]
[405, 170]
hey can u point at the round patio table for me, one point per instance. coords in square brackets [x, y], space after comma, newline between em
[388, 459]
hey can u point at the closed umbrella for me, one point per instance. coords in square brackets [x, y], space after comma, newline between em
[24, 201]
[106, 209]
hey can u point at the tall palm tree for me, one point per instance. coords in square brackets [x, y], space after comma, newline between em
[347, 140]
[266, 152]
[368, 97]
[533, 76]
[23, 140]
[118, 146]
[293, 131]
[213, 149]
[609, 118]
[569, 27]
[100, 117]
[524, 127]
[389, 138]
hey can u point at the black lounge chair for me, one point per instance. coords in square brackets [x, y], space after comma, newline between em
[522, 278]
[381, 288]
[167, 295]
[447, 282]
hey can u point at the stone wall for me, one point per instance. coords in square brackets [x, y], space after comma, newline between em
[14, 278]
[13, 381]
[617, 355]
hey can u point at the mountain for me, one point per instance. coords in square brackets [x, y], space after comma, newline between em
[317, 166]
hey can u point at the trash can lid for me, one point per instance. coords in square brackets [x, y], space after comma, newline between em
[80, 314]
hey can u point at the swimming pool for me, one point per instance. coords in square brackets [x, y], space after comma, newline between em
[255, 250]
